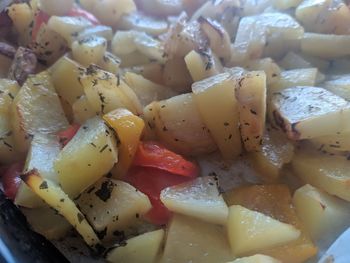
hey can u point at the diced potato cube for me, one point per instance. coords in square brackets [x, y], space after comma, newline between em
[324, 16]
[332, 143]
[47, 222]
[310, 112]
[220, 116]
[98, 30]
[293, 60]
[190, 240]
[199, 198]
[271, 69]
[110, 63]
[127, 42]
[247, 231]
[58, 200]
[8, 91]
[276, 151]
[21, 15]
[106, 91]
[129, 129]
[48, 45]
[178, 124]
[141, 22]
[202, 64]
[324, 216]
[275, 201]
[326, 46]
[294, 77]
[330, 173]
[143, 248]
[340, 86]
[65, 77]
[89, 50]
[263, 33]
[82, 110]
[219, 40]
[111, 206]
[41, 156]
[87, 157]
[68, 26]
[146, 90]
[109, 11]
[256, 259]
[36, 109]
[251, 96]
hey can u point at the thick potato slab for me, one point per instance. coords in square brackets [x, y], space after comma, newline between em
[326, 46]
[199, 242]
[251, 96]
[111, 206]
[330, 173]
[248, 231]
[199, 199]
[309, 112]
[276, 151]
[106, 92]
[220, 115]
[324, 216]
[143, 248]
[65, 77]
[275, 201]
[36, 109]
[8, 91]
[42, 154]
[87, 157]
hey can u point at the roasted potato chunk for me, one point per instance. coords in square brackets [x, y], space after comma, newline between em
[36, 109]
[87, 157]
[310, 112]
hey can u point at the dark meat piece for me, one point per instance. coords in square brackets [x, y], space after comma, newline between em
[24, 63]
[7, 50]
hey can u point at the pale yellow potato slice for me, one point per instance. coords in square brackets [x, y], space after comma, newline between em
[42, 154]
[199, 199]
[8, 91]
[54, 196]
[250, 231]
[111, 206]
[251, 96]
[191, 240]
[144, 248]
[65, 77]
[310, 112]
[324, 216]
[220, 115]
[330, 173]
[47, 222]
[36, 109]
[87, 157]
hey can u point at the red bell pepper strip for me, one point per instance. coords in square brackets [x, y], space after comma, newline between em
[11, 180]
[151, 182]
[77, 11]
[66, 136]
[153, 154]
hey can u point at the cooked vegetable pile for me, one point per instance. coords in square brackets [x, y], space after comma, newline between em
[179, 131]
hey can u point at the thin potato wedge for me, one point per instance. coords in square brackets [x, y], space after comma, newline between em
[57, 199]
[251, 97]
